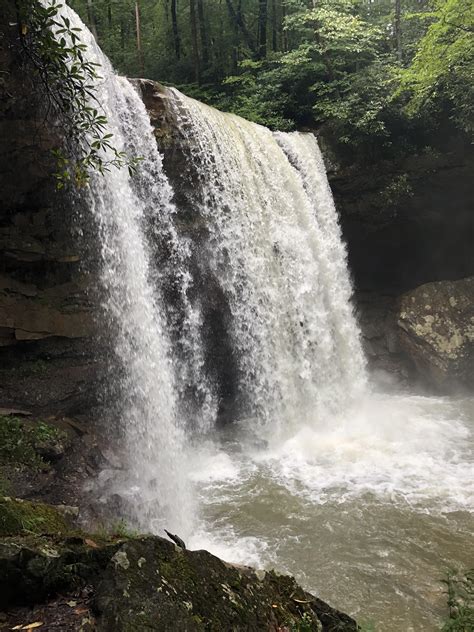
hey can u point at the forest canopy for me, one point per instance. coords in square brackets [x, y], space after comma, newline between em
[367, 72]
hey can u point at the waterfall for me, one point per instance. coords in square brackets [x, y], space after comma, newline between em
[227, 297]
[275, 247]
[133, 215]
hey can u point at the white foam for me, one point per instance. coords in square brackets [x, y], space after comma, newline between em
[408, 449]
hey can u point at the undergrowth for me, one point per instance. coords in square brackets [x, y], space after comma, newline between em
[19, 441]
[460, 599]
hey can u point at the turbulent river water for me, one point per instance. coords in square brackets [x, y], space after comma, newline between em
[364, 494]
[367, 513]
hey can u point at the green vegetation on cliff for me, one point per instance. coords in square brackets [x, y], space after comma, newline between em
[377, 76]
[53, 56]
[25, 443]
[460, 593]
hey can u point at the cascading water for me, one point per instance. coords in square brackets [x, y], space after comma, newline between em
[349, 483]
[129, 212]
[275, 247]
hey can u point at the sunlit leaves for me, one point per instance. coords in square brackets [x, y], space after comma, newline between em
[443, 67]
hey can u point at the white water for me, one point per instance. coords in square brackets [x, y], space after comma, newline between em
[348, 477]
[128, 213]
[276, 249]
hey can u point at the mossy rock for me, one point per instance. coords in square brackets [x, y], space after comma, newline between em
[22, 516]
[147, 583]
[150, 584]
[34, 568]
[30, 443]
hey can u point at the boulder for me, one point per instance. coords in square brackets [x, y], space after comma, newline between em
[436, 323]
[152, 584]
[140, 582]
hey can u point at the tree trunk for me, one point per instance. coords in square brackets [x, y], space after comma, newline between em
[237, 18]
[274, 26]
[283, 33]
[203, 33]
[194, 37]
[398, 30]
[262, 29]
[139, 38]
[109, 14]
[174, 26]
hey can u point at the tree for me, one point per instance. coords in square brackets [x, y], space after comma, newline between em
[138, 29]
[442, 72]
[367, 71]
[53, 57]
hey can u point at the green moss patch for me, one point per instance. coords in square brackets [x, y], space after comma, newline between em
[21, 516]
[24, 443]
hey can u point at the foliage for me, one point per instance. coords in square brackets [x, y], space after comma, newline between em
[122, 530]
[373, 76]
[442, 72]
[460, 594]
[19, 441]
[54, 50]
[306, 624]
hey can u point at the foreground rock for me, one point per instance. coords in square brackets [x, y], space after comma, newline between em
[53, 575]
[437, 331]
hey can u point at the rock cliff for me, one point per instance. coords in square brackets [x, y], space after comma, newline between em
[47, 364]
[410, 221]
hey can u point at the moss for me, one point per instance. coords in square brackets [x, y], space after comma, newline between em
[119, 531]
[22, 441]
[179, 571]
[16, 446]
[28, 368]
[21, 516]
[5, 486]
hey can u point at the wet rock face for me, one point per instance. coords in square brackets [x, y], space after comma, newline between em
[377, 317]
[409, 222]
[47, 360]
[436, 322]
